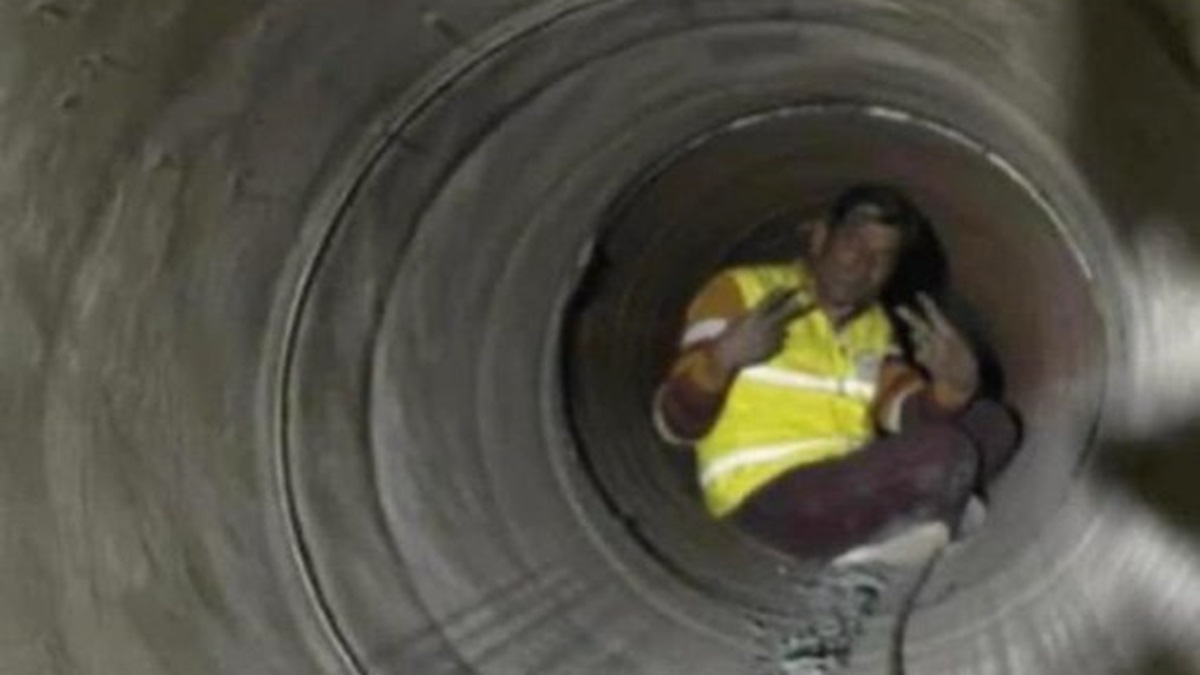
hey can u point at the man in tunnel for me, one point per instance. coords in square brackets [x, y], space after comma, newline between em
[812, 428]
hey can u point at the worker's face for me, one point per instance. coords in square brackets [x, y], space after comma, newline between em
[853, 262]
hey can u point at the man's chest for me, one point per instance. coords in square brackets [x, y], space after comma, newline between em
[811, 346]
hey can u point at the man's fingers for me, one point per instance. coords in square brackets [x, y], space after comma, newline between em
[774, 300]
[919, 326]
[793, 307]
[781, 306]
[938, 319]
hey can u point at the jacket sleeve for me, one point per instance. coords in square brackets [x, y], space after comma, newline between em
[689, 400]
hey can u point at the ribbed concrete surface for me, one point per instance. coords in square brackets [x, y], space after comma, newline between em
[284, 293]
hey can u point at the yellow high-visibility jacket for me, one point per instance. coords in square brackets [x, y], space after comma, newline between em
[809, 403]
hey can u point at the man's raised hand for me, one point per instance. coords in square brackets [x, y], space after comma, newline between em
[758, 335]
[941, 350]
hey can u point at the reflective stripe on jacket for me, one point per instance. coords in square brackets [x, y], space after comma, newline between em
[809, 403]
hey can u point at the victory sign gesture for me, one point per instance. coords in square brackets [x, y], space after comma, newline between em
[758, 335]
[941, 350]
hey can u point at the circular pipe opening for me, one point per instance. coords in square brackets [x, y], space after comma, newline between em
[446, 284]
[1022, 289]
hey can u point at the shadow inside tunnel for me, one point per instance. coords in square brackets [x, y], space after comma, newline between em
[1136, 136]
[1136, 129]
[1162, 660]
[1161, 473]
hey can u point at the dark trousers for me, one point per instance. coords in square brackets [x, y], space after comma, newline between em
[923, 474]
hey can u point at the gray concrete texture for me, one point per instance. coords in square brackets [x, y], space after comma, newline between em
[327, 328]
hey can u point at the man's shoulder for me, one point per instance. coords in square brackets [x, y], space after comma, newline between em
[750, 283]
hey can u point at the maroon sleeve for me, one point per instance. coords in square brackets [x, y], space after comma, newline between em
[689, 401]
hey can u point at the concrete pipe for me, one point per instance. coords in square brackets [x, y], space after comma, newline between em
[329, 329]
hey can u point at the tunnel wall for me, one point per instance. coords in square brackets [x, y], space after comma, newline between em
[175, 177]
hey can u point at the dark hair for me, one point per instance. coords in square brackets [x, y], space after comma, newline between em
[894, 208]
